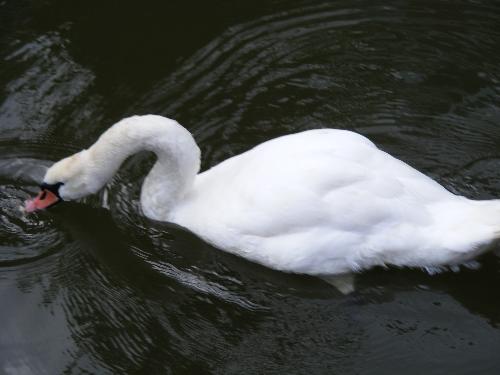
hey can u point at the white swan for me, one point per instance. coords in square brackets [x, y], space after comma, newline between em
[321, 202]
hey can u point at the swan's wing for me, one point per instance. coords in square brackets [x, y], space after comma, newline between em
[304, 202]
[324, 177]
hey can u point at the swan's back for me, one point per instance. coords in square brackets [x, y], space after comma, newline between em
[319, 202]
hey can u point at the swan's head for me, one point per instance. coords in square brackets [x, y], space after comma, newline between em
[66, 180]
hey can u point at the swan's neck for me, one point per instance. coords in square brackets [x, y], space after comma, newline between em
[173, 174]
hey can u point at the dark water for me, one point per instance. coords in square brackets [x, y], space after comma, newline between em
[93, 287]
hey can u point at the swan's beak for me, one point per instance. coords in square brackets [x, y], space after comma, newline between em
[43, 200]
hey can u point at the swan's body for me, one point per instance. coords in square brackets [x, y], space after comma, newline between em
[320, 202]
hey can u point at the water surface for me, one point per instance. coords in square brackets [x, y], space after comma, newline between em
[94, 287]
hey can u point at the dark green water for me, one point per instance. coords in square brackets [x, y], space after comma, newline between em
[93, 287]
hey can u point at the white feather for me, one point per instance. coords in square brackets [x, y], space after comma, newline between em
[320, 202]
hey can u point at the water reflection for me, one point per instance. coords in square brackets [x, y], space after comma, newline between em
[49, 87]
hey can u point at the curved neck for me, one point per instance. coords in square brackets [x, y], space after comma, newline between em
[173, 173]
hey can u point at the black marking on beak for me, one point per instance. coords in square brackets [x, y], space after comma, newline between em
[53, 188]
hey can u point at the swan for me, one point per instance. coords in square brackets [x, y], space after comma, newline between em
[320, 202]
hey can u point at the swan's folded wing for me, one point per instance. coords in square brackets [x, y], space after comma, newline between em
[312, 202]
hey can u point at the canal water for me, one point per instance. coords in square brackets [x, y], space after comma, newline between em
[95, 288]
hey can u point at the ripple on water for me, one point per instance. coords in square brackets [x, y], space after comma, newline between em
[49, 87]
[25, 238]
[327, 65]
[418, 79]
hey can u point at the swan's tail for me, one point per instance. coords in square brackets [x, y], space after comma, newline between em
[468, 226]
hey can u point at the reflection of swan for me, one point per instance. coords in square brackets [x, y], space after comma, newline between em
[320, 202]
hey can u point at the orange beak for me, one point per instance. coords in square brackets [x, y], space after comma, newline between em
[44, 199]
